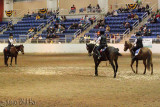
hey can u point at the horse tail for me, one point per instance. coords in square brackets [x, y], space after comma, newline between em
[149, 60]
[119, 54]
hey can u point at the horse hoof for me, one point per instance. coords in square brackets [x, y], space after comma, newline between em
[96, 75]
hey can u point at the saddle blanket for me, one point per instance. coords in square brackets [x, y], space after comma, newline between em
[137, 52]
[102, 50]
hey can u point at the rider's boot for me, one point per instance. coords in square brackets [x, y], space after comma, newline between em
[99, 55]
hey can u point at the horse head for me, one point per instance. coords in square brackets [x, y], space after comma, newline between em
[127, 45]
[90, 48]
[21, 48]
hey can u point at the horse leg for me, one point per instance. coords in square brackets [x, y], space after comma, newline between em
[136, 66]
[96, 67]
[144, 62]
[11, 60]
[7, 57]
[151, 68]
[15, 60]
[115, 73]
[113, 66]
[132, 65]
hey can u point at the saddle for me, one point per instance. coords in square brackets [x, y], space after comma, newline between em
[137, 51]
[103, 54]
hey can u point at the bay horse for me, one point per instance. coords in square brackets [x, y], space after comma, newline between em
[110, 54]
[13, 53]
[144, 54]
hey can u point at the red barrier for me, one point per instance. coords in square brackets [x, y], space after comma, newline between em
[1, 9]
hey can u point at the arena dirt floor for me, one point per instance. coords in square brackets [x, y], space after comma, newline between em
[68, 80]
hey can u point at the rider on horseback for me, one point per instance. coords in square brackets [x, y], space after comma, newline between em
[102, 43]
[139, 44]
[10, 42]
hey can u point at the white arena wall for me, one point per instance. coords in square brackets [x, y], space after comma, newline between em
[69, 48]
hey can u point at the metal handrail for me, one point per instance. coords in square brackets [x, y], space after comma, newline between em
[40, 26]
[77, 32]
[144, 16]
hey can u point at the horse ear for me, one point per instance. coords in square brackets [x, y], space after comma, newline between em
[125, 42]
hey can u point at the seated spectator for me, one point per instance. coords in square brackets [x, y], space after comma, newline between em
[136, 16]
[57, 20]
[158, 15]
[108, 14]
[31, 30]
[102, 24]
[149, 32]
[61, 18]
[143, 9]
[10, 26]
[127, 25]
[97, 26]
[145, 28]
[82, 19]
[132, 16]
[89, 8]
[73, 9]
[145, 32]
[80, 25]
[120, 10]
[45, 16]
[86, 19]
[107, 28]
[98, 9]
[64, 18]
[40, 37]
[115, 13]
[28, 15]
[139, 9]
[155, 20]
[48, 30]
[37, 17]
[74, 26]
[63, 26]
[92, 19]
[34, 29]
[147, 6]
[117, 35]
[129, 16]
[56, 26]
[141, 28]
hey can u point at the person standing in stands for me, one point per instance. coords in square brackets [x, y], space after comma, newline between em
[73, 9]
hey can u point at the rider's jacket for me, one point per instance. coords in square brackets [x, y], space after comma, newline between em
[103, 40]
[139, 42]
[10, 42]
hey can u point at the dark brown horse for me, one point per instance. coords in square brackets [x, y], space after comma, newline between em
[144, 54]
[111, 54]
[13, 53]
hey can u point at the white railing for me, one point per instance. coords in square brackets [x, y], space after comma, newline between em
[3, 27]
[126, 33]
[77, 33]
[144, 16]
[49, 20]
[40, 26]
[86, 26]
